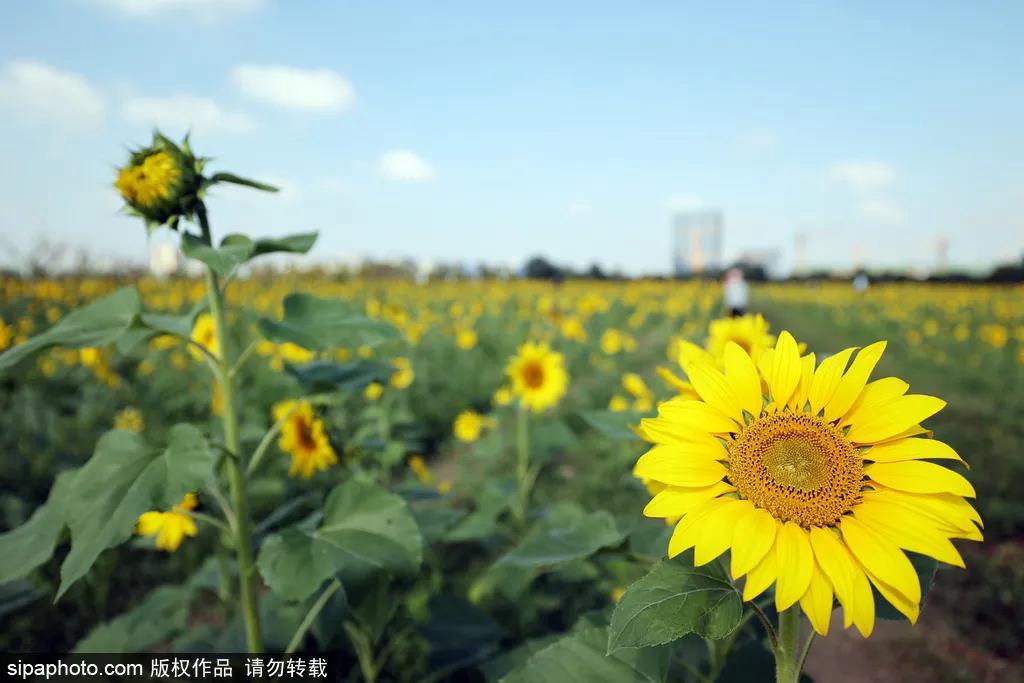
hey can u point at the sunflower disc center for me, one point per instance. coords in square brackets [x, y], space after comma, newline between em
[797, 467]
[533, 375]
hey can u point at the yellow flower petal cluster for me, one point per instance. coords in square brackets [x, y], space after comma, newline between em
[815, 478]
[170, 528]
[204, 334]
[538, 376]
[129, 420]
[403, 375]
[469, 425]
[304, 437]
[150, 182]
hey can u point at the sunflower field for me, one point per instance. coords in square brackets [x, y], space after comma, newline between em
[506, 480]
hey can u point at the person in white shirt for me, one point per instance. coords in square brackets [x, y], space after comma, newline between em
[735, 292]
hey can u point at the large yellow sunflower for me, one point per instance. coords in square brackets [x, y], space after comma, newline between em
[304, 437]
[816, 479]
[538, 376]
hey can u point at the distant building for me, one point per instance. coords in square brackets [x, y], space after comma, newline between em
[697, 241]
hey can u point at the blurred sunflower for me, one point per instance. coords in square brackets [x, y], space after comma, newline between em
[469, 425]
[130, 420]
[170, 528]
[814, 477]
[304, 437]
[749, 331]
[538, 376]
[404, 374]
[204, 334]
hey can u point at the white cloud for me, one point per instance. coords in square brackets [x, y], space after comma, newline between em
[206, 10]
[41, 92]
[870, 182]
[687, 202]
[184, 112]
[580, 206]
[285, 86]
[403, 164]
[864, 176]
[881, 210]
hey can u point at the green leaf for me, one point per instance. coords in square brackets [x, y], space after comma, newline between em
[160, 616]
[17, 594]
[579, 657]
[364, 529]
[124, 478]
[459, 634]
[325, 324]
[233, 251]
[567, 533]
[239, 180]
[615, 425]
[506, 662]
[299, 243]
[674, 599]
[31, 544]
[319, 376]
[98, 323]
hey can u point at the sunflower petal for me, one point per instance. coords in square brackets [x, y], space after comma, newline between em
[784, 369]
[676, 467]
[799, 397]
[761, 576]
[664, 431]
[907, 530]
[904, 606]
[687, 531]
[826, 379]
[817, 602]
[918, 476]
[752, 538]
[881, 557]
[853, 382]
[697, 416]
[835, 561]
[888, 418]
[716, 530]
[879, 391]
[796, 564]
[676, 501]
[911, 449]
[742, 372]
[714, 388]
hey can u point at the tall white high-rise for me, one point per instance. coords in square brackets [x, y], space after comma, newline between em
[697, 241]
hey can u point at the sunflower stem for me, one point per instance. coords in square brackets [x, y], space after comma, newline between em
[786, 650]
[522, 464]
[236, 479]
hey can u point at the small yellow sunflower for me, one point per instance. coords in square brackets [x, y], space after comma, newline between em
[150, 181]
[404, 374]
[469, 425]
[204, 334]
[538, 376]
[170, 528]
[816, 479]
[304, 437]
[129, 420]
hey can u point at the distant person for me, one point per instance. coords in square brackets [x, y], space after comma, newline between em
[861, 282]
[735, 292]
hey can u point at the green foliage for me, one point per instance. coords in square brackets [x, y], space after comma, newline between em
[566, 533]
[125, 478]
[98, 323]
[236, 249]
[579, 657]
[675, 599]
[364, 529]
[325, 324]
[31, 544]
[160, 616]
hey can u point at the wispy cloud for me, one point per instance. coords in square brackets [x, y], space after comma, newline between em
[870, 182]
[204, 10]
[41, 92]
[184, 112]
[404, 165]
[320, 90]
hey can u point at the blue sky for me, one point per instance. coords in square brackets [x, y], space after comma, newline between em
[472, 131]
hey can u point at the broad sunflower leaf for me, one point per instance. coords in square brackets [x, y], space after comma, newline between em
[124, 478]
[364, 528]
[32, 544]
[325, 324]
[579, 657]
[160, 616]
[233, 251]
[615, 425]
[98, 323]
[320, 375]
[674, 599]
[299, 243]
[567, 533]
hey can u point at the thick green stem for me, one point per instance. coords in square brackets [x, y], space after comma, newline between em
[522, 463]
[236, 479]
[786, 666]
